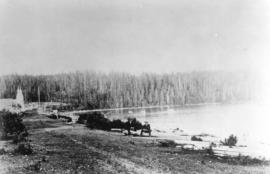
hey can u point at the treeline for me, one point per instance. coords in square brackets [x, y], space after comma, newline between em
[99, 90]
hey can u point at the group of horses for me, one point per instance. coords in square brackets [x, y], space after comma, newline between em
[132, 125]
[96, 120]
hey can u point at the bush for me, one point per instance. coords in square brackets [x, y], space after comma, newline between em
[231, 141]
[2, 151]
[24, 149]
[135, 124]
[83, 118]
[52, 116]
[35, 166]
[167, 143]
[11, 123]
[118, 124]
[97, 120]
[195, 138]
[20, 137]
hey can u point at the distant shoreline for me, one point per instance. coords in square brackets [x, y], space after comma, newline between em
[150, 107]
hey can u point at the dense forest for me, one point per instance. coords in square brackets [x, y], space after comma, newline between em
[100, 90]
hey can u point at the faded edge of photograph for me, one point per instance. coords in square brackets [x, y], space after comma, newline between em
[136, 87]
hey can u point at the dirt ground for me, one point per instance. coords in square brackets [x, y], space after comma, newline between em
[62, 148]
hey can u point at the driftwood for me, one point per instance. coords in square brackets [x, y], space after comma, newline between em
[217, 150]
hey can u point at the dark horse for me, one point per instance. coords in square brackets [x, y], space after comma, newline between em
[132, 124]
[146, 128]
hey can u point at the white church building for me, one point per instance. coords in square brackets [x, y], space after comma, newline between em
[11, 104]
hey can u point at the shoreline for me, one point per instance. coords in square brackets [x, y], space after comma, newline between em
[183, 139]
[255, 149]
[142, 107]
[113, 152]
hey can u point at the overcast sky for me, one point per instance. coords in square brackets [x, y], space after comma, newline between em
[49, 36]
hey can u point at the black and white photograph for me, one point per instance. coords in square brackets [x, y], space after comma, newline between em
[134, 86]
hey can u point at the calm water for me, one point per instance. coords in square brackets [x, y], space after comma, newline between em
[249, 121]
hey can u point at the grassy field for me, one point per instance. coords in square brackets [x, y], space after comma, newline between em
[62, 148]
